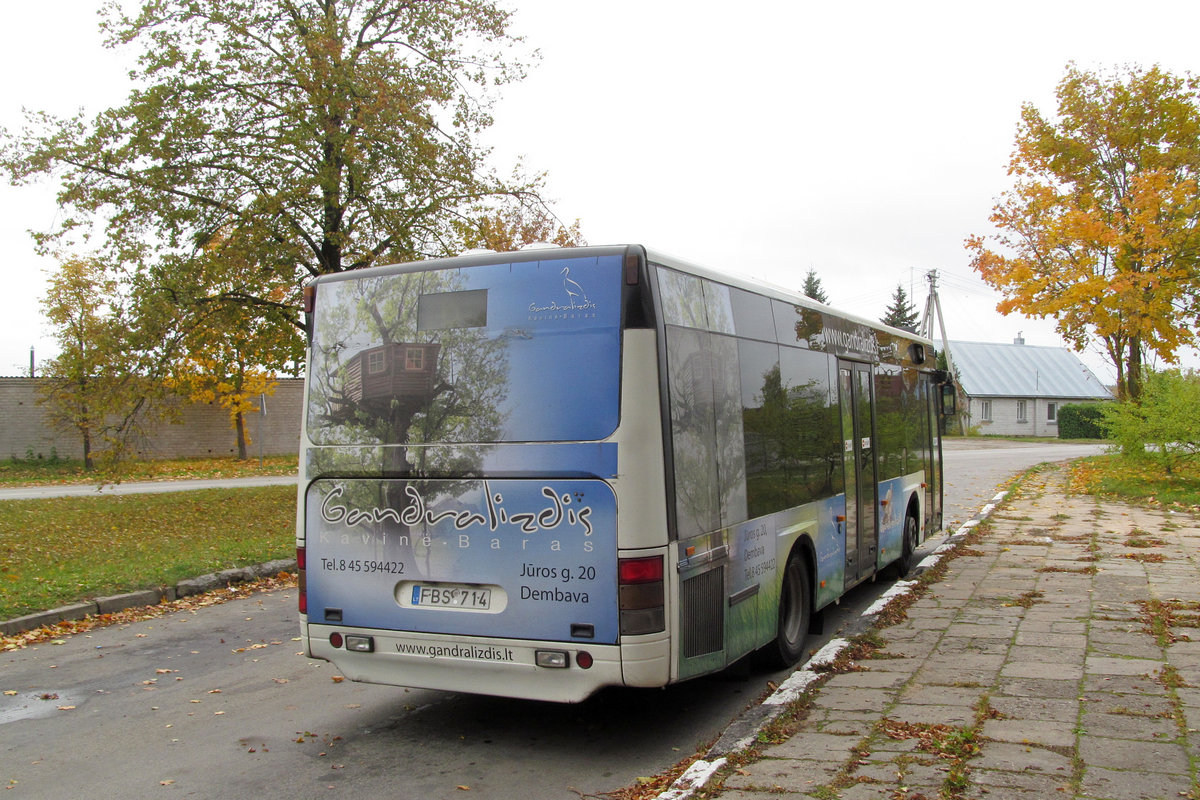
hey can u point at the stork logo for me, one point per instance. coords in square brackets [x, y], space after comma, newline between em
[575, 303]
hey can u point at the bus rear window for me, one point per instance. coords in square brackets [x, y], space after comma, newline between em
[444, 310]
[527, 351]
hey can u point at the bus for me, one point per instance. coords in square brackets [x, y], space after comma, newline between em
[541, 473]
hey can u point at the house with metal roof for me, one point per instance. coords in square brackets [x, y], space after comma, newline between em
[1017, 389]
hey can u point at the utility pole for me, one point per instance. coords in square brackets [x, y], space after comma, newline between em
[933, 307]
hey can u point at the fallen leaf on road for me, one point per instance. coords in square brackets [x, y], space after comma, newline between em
[53, 633]
[66, 708]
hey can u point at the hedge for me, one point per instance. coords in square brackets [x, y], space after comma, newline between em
[1081, 422]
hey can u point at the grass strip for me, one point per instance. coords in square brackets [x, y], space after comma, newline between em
[54, 471]
[61, 550]
[1138, 481]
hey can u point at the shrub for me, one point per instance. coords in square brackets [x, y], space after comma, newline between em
[1163, 425]
[1081, 421]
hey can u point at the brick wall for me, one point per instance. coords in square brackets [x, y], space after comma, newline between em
[204, 429]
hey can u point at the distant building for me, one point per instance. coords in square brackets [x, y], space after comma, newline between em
[1017, 389]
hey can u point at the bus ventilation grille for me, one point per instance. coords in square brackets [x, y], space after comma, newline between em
[703, 613]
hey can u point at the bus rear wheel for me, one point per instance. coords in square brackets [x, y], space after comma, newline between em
[911, 534]
[795, 615]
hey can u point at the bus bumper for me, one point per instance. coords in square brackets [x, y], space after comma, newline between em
[525, 669]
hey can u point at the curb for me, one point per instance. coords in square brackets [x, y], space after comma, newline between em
[145, 597]
[743, 730]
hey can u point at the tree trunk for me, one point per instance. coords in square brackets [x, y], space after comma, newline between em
[1133, 370]
[86, 431]
[240, 424]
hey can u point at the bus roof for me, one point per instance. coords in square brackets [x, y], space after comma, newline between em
[739, 280]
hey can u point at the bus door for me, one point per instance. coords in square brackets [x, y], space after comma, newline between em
[933, 455]
[856, 390]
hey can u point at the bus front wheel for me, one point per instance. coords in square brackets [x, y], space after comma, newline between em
[795, 612]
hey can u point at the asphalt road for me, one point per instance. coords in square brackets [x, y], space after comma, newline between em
[219, 703]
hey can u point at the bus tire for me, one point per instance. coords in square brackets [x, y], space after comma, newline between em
[795, 616]
[911, 532]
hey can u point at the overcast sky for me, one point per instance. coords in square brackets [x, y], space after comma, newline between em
[865, 140]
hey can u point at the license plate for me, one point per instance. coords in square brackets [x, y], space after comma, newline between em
[476, 598]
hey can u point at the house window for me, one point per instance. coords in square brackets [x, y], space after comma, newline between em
[375, 364]
[1022, 413]
[414, 359]
[985, 410]
[1052, 412]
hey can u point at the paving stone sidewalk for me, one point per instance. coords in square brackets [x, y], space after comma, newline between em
[1052, 660]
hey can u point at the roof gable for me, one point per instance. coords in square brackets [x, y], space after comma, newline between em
[1021, 370]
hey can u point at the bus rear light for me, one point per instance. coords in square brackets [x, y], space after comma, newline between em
[335, 639]
[641, 595]
[632, 269]
[360, 644]
[583, 659]
[645, 620]
[551, 659]
[639, 570]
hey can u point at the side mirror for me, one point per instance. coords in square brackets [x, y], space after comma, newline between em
[949, 399]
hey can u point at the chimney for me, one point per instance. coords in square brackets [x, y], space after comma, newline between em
[1020, 339]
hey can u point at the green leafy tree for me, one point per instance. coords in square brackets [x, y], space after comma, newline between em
[812, 287]
[901, 313]
[97, 387]
[1162, 426]
[1101, 230]
[321, 135]
[231, 354]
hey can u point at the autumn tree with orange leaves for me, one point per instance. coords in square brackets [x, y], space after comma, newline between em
[1101, 230]
[514, 226]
